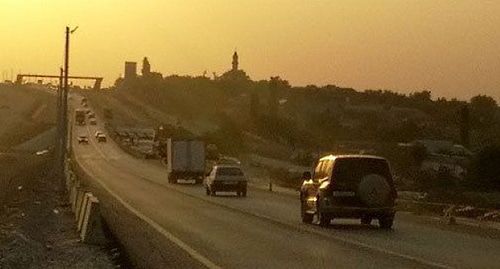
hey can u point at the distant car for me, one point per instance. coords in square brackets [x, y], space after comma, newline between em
[83, 139]
[101, 138]
[42, 152]
[349, 186]
[93, 121]
[91, 115]
[97, 133]
[226, 178]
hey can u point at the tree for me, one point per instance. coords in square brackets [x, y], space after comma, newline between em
[485, 170]
[465, 126]
[418, 154]
[273, 96]
[424, 96]
[483, 110]
[254, 105]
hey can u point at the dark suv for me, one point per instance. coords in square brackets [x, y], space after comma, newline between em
[349, 186]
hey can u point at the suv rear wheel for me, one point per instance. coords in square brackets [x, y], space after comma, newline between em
[323, 218]
[306, 217]
[366, 220]
[386, 222]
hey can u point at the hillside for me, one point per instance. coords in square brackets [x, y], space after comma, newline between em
[24, 113]
[311, 116]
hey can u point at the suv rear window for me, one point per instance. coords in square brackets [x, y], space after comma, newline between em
[351, 170]
[229, 171]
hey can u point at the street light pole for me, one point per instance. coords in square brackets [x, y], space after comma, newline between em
[59, 122]
[64, 105]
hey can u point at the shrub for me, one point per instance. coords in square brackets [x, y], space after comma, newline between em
[485, 169]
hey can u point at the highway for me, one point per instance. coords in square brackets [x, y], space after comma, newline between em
[264, 230]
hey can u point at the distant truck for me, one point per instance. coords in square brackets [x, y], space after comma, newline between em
[185, 160]
[80, 117]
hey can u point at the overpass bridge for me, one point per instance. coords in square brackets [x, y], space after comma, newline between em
[97, 80]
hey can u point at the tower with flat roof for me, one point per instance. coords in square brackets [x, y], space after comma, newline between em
[130, 70]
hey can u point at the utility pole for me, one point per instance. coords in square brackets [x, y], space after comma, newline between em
[64, 117]
[59, 121]
[64, 110]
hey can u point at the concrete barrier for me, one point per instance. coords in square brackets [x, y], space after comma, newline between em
[70, 181]
[78, 201]
[80, 193]
[72, 197]
[86, 208]
[144, 245]
[83, 210]
[92, 230]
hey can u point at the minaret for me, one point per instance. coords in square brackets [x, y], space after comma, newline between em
[235, 61]
[146, 67]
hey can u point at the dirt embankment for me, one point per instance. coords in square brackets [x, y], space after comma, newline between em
[24, 113]
[37, 227]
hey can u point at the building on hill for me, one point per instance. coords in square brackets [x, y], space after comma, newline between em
[235, 74]
[147, 73]
[130, 70]
[235, 61]
[146, 67]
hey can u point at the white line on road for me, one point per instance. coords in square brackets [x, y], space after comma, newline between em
[192, 252]
[306, 229]
[270, 219]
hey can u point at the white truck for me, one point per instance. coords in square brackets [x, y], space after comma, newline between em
[185, 160]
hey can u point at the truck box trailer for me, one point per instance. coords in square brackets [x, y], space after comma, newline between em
[185, 160]
[80, 117]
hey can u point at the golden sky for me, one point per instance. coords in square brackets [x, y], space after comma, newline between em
[451, 47]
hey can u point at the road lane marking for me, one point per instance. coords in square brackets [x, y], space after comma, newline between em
[297, 227]
[192, 252]
[181, 244]
[260, 216]
[310, 230]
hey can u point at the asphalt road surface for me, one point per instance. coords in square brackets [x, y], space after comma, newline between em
[264, 229]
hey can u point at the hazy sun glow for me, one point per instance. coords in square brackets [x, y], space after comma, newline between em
[450, 47]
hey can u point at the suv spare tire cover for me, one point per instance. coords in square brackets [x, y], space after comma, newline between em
[374, 190]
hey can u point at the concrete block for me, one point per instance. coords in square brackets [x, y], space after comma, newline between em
[92, 232]
[75, 196]
[72, 197]
[83, 210]
[70, 181]
[79, 203]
